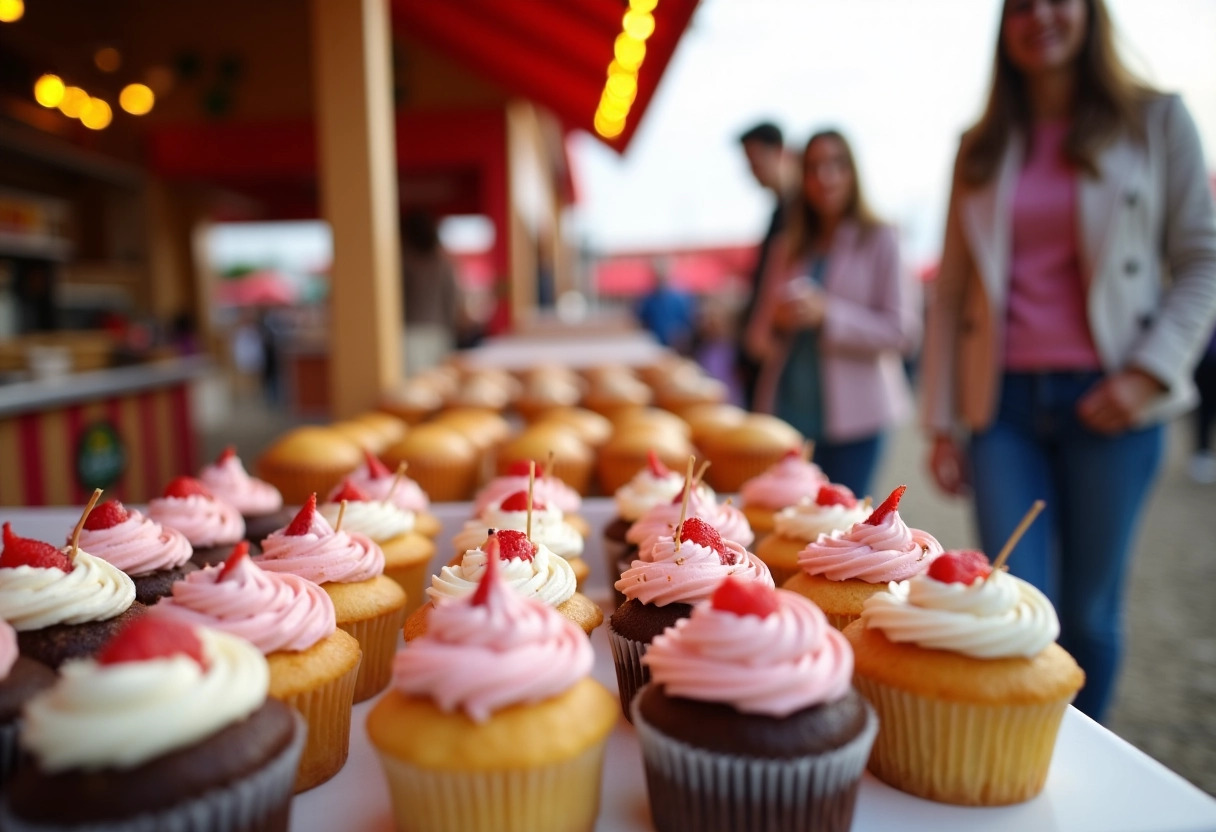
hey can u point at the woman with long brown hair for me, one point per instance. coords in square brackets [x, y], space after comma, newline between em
[1077, 283]
[836, 312]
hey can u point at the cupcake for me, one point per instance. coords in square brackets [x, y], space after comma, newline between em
[652, 420]
[375, 479]
[366, 436]
[748, 449]
[970, 687]
[391, 429]
[63, 604]
[493, 723]
[708, 420]
[260, 503]
[212, 526]
[546, 391]
[661, 590]
[407, 554]
[630, 449]
[572, 462]
[839, 571]
[152, 555]
[587, 425]
[20, 680]
[199, 747]
[348, 566]
[414, 402]
[545, 488]
[662, 519]
[313, 664]
[750, 721]
[484, 427]
[528, 568]
[440, 458]
[612, 394]
[833, 509]
[307, 460]
[793, 478]
[484, 391]
[688, 387]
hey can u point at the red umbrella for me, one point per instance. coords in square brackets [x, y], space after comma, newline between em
[262, 288]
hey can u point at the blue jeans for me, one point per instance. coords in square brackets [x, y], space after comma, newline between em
[850, 463]
[1095, 487]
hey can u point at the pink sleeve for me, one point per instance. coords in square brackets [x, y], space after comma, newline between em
[892, 320]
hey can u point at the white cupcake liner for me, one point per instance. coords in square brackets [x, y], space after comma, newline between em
[10, 753]
[559, 797]
[259, 802]
[691, 788]
[631, 674]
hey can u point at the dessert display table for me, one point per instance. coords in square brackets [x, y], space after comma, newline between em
[1097, 781]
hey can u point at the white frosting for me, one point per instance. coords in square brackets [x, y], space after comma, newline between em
[645, 491]
[807, 520]
[377, 519]
[999, 618]
[32, 597]
[548, 529]
[122, 715]
[546, 577]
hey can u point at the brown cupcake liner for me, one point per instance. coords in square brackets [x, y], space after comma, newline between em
[631, 674]
[377, 639]
[962, 753]
[616, 470]
[327, 712]
[559, 797]
[259, 802]
[732, 468]
[10, 752]
[691, 788]
[615, 554]
[446, 483]
[296, 483]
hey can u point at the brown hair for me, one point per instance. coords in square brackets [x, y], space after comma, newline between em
[1109, 99]
[806, 226]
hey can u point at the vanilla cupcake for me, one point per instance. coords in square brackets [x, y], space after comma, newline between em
[833, 509]
[545, 488]
[211, 525]
[549, 529]
[790, 480]
[662, 519]
[154, 556]
[259, 502]
[379, 483]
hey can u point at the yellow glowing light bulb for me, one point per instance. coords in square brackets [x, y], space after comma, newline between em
[48, 90]
[136, 99]
[11, 10]
[629, 52]
[74, 100]
[608, 128]
[638, 25]
[622, 86]
[613, 108]
[643, 5]
[96, 114]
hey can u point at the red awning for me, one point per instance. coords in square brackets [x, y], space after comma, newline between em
[700, 270]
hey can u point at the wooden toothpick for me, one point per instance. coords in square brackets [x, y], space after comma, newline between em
[341, 514]
[696, 481]
[1016, 536]
[684, 502]
[531, 488]
[396, 480]
[80, 523]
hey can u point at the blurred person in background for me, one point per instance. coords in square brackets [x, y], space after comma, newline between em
[1077, 286]
[668, 311]
[775, 170]
[433, 314]
[1202, 467]
[836, 312]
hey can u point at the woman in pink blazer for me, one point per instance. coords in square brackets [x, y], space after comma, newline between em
[836, 313]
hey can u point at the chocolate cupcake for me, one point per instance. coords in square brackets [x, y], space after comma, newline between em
[211, 525]
[63, 604]
[154, 556]
[259, 502]
[20, 679]
[751, 721]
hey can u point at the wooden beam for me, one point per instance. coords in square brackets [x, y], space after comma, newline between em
[358, 176]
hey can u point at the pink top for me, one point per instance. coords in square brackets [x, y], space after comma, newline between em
[548, 490]
[662, 519]
[777, 664]
[8, 648]
[1046, 326]
[228, 480]
[408, 495]
[204, 521]
[322, 555]
[688, 574]
[890, 551]
[783, 484]
[138, 545]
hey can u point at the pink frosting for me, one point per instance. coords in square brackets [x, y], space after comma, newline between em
[776, 665]
[783, 484]
[408, 495]
[730, 522]
[480, 658]
[689, 574]
[203, 520]
[548, 490]
[8, 648]
[272, 611]
[138, 545]
[322, 555]
[229, 481]
[878, 554]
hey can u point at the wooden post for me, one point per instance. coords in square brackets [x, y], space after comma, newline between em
[358, 175]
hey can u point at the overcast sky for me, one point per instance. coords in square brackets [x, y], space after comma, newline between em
[902, 78]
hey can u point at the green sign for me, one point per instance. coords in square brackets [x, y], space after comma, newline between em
[100, 456]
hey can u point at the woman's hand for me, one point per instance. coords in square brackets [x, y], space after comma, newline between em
[805, 310]
[1115, 403]
[948, 465]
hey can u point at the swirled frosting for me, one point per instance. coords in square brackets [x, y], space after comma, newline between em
[549, 529]
[229, 481]
[548, 491]
[545, 576]
[689, 574]
[377, 519]
[8, 648]
[272, 611]
[119, 716]
[203, 520]
[775, 665]
[807, 520]
[408, 495]
[138, 545]
[998, 618]
[645, 491]
[322, 555]
[32, 597]
[480, 658]
[785, 483]
[889, 551]
[662, 520]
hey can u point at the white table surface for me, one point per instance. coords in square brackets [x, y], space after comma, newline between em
[1097, 782]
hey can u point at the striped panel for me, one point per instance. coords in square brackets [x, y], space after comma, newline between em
[58, 458]
[12, 487]
[31, 458]
[137, 488]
